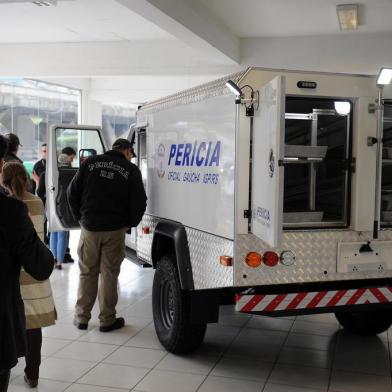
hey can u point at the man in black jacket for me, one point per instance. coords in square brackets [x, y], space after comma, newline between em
[13, 148]
[107, 197]
[19, 246]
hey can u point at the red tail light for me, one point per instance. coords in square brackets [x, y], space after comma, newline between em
[270, 259]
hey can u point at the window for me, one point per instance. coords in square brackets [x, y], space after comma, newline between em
[78, 145]
[386, 189]
[28, 108]
[316, 183]
[116, 121]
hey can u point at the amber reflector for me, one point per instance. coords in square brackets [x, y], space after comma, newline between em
[226, 261]
[253, 259]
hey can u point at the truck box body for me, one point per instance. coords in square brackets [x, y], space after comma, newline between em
[198, 173]
[266, 199]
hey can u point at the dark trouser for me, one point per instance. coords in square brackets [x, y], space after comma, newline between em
[46, 233]
[4, 379]
[33, 353]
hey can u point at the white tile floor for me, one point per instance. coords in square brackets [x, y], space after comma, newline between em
[240, 353]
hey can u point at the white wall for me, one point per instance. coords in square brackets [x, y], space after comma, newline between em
[343, 53]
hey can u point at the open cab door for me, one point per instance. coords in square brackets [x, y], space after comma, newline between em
[86, 141]
[267, 157]
[138, 137]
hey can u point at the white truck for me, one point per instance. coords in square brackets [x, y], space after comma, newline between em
[278, 199]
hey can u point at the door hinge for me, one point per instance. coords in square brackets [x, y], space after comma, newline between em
[349, 164]
[247, 214]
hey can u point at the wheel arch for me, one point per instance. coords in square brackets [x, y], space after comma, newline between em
[171, 238]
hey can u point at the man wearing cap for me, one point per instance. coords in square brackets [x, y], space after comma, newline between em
[107, 197]
[13, 148]
[13, 144]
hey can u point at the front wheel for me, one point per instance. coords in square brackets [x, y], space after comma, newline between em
[365, 323]
[171, 311]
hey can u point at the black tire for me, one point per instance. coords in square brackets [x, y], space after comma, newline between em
[171, 311]
[365, 323]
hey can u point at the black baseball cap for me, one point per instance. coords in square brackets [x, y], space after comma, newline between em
[12, 139]
[122, 144]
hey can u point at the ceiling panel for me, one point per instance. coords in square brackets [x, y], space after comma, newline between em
[74, 21]
[283, 18]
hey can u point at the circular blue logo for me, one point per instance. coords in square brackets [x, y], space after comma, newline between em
[160, 161]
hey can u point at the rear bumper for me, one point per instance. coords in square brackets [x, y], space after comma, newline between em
[308, 302]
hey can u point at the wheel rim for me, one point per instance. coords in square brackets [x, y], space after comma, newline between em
[167, 304]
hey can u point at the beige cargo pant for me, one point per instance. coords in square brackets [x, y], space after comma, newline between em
[100, 253]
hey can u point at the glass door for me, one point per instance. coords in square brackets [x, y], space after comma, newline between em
[386, 183]
[316, 164]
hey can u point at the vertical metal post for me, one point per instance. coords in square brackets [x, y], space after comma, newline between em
[377, 201]
[312, 167]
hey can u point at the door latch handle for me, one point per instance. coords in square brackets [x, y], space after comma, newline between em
[371, 141]
[365, 248]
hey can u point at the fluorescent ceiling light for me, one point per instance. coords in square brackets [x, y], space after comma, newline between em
[233, 88]
[342, 107]
[347, 16]
[384, 76]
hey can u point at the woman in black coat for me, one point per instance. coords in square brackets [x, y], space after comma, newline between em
[19, 247]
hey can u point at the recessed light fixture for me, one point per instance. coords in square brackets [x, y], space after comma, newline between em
[347, 16]
[45, 3]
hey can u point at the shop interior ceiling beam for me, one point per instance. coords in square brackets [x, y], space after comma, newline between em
[89, 59]
[190, 22]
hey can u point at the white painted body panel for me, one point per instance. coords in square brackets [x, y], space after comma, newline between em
[187, 181]
[219, 211]
[267, 175]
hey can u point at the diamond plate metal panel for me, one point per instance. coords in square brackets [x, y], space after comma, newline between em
[316, 258]
[198, 93]
[144, 241]
[205, 250]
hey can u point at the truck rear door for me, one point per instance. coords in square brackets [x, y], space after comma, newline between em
[267, 154]
[85, 141]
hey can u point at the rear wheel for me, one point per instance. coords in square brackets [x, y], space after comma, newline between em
[171, 311]
[366, 323]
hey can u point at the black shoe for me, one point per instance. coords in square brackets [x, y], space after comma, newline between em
[30, 383]
[68, 258]
[58, 266]
[82, 326]
[119, 323]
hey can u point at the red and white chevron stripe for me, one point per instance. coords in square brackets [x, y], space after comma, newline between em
[314, 299]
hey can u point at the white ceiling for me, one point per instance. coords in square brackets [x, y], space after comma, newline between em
[75, 21]
[137, 50]
[284, 18]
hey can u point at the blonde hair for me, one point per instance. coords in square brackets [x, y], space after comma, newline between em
[15, 178]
